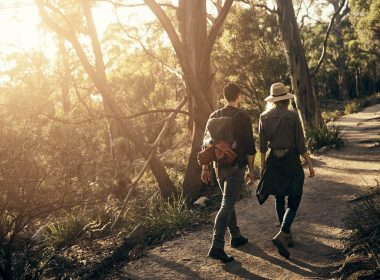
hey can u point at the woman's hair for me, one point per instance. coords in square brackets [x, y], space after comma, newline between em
[282, 103]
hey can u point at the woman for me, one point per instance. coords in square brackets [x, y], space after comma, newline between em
[282, 174]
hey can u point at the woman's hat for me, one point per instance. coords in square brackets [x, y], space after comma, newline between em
[278, 91]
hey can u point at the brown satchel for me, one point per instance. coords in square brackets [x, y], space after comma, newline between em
[220, 139]
[220, 152]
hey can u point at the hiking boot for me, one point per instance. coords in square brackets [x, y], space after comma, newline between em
[290, 240]
[219, 254]
[238, 241]
[281, 242]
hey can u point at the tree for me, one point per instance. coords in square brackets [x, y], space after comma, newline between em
[97, 73]
[193, 46]
[302, 83]
[341, 50]
[364, 14]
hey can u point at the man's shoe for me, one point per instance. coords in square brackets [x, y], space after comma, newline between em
[281, 241]
[290, 240]
[219, 254]
[238, 241]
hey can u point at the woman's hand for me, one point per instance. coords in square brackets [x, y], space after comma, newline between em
[311, 171]
[205, 176]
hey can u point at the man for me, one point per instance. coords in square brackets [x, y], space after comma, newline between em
[231, 178]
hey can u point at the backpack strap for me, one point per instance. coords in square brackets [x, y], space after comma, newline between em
[220, 113]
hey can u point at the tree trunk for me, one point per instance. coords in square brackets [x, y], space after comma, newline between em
[302, 84]
[66, 77]
[357, 83]
[193, 50]
[193, 27]
[341, 54]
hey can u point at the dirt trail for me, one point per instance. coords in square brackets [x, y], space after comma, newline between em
[318, 228]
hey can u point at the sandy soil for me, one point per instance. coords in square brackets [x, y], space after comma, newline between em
[318, 229]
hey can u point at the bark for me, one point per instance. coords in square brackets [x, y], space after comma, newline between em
[119, 126]
[302, 84]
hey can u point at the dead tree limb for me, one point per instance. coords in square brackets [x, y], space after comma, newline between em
[314, 72]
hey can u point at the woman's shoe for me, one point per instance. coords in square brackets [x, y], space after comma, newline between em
[281, 242]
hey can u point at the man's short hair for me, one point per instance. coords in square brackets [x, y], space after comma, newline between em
[231, 92]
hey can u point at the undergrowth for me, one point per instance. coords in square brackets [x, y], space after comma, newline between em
[356, 105]
[364, 240]
[329, 136]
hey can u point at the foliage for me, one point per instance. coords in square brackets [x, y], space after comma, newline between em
[169, 219]
[358, 104]
[58, 170]
[365, 17]
[325, 136]
[331, 116]
[364, 221]
[250, 53]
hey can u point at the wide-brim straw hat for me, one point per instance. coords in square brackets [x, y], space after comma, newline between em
[278, 92]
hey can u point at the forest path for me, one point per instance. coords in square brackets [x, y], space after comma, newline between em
[318, 228]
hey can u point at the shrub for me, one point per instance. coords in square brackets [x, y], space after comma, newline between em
[331, 116]
[169, 219]
[352, 107]
[356, 105]
[364, 221]
[325, 136]
[66, 230]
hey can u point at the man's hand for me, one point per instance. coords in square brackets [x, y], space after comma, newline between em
[205, 176]
[311, 171]
[249, 177]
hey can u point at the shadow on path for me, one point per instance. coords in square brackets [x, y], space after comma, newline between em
[237, 269]
[296, 266]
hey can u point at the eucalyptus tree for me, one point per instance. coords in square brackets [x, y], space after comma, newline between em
[193, 42]
[75, 20]
[302, 84]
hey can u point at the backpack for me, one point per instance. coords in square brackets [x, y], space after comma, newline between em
[219, 141]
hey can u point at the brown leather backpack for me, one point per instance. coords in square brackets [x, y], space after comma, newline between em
[218, 144]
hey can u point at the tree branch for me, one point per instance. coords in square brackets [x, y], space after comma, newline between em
[101, 116]
[314, 72]
[99, 63]
[170, 69]
[215, 29]
[72, 38]
[167, 25]
[116, 4]
[265, 7]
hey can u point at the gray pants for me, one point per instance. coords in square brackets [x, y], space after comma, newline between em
[231, 182]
